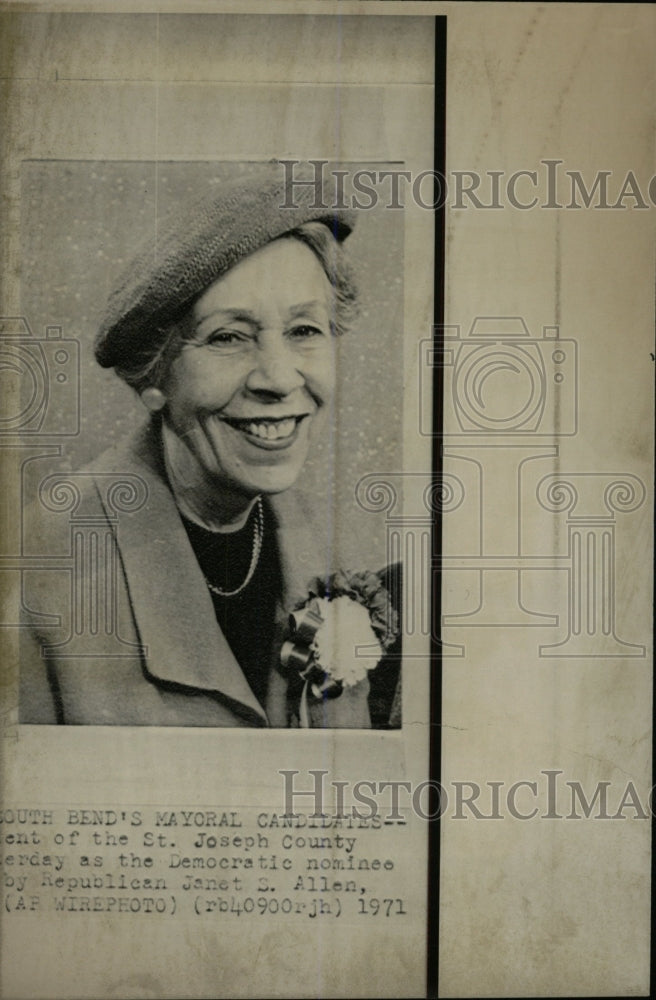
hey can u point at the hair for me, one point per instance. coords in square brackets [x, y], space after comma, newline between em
[149, 364]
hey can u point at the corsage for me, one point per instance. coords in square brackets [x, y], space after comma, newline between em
[338, 634]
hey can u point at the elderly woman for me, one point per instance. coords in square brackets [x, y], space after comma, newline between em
[226, 329]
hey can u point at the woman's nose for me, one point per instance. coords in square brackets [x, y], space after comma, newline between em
[275, 371]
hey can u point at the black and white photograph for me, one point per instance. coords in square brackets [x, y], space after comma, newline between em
[327, 456]
[189, 545]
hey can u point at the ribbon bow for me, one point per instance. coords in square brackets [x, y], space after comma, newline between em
[299, 652]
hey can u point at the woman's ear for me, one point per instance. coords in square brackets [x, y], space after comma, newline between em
[153, 399]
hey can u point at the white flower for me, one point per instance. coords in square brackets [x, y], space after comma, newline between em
[346, 627]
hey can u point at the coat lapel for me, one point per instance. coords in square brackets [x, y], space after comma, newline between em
[170, 601]
[302, 557]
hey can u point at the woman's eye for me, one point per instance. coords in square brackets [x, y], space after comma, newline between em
[226, 338]
[306, 332]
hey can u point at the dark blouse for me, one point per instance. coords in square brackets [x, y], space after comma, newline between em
[247, 618]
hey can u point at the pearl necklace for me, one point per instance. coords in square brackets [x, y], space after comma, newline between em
[258, 536]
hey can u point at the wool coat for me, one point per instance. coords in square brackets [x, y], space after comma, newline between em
[118, 623]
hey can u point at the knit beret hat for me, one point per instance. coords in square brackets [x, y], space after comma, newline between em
[200, 241]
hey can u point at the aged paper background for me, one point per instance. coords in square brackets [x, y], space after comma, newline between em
[539, 907]
[553, 906]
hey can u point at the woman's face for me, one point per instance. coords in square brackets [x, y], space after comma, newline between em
[246, 393]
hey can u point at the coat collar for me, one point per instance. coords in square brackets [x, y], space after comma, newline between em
[173, 611]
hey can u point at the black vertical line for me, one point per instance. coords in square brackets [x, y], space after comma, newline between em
[435, 750]
[652, 802]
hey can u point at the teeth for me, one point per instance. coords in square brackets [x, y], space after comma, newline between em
[272, 431]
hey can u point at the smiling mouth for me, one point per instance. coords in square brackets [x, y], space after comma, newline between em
[269, 429]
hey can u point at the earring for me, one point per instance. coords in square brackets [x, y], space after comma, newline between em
[153, 399]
